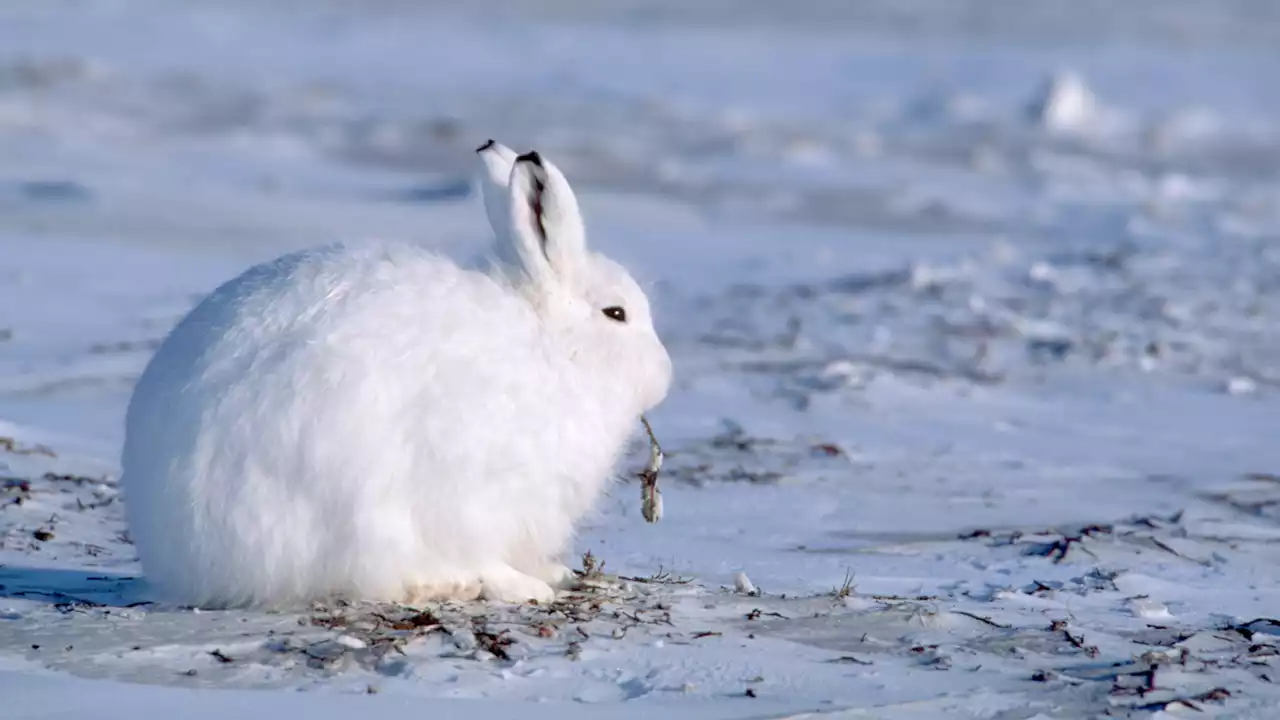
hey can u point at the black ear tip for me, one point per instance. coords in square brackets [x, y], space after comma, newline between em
[487, 144]
[531, 157]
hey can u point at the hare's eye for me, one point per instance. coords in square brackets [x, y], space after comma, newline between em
[615, 313]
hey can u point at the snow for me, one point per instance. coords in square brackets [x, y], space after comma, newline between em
[972, 305]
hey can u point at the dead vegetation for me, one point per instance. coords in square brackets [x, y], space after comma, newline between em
[10, 445]
[846, 588]
[601, 608]
[1062, 544]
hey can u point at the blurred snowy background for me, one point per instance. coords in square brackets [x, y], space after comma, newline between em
[926, 268]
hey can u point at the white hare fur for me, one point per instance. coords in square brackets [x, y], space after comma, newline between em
[376, 421]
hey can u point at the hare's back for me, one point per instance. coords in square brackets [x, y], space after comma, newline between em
[326, 312]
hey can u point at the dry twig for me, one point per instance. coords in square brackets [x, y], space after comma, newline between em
[650, 496]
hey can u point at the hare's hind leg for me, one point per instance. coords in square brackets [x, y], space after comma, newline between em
[456, 589]
[504, 583]
[440, 586]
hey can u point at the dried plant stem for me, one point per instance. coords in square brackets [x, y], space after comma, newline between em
[650, 496]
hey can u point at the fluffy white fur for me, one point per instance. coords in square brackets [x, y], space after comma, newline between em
[377, 421]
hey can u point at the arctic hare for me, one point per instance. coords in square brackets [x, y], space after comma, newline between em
[376, 421]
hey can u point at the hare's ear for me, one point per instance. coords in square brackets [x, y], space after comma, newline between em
[497, 160]
[546, 226]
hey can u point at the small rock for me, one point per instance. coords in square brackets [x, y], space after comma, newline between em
[1063, 103]
[394, 667]
[1241, 386]
[1149, 609]
[354, 643]
[324, 653]
[464, 640]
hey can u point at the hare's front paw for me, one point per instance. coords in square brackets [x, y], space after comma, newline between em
[506, 584]
[557, 575]
[548, 570]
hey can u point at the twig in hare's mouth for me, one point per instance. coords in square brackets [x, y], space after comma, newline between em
[650, 496]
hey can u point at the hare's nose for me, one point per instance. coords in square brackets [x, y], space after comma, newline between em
[660, 384]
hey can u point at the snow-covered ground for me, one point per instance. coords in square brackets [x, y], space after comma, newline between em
[973, 306]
